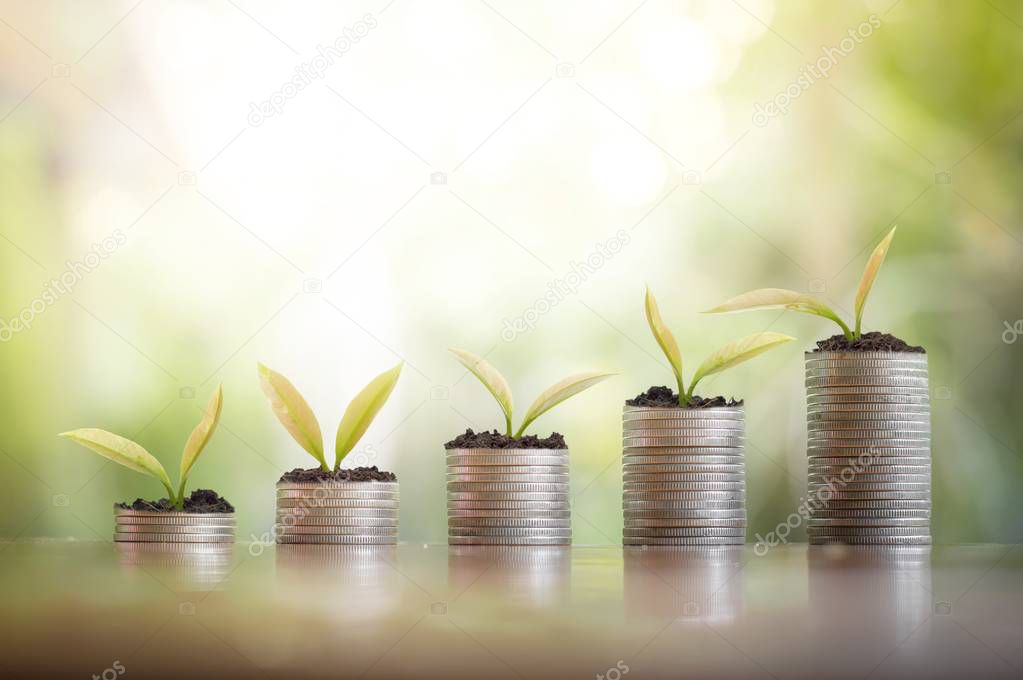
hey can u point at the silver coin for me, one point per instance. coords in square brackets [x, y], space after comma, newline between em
[879, 463]
[866, 363]
[870, 452]
[897, 372]
[830, 400]
[868, 426]
[509, 479]
[334, 539]
[684, 541]
[857, 495]
[859, 513]
[521, 487]
[637, 523]
[510, 514]
[860, 391]
[894, 414]
[868, 485]
[880, 505]
[637, 462]
[684, 426]
[337, 522]
[682, 442]
[866, 477]
[224, 530]
[459, 470]
[508, 452]
[223, 521]
[857, 355]
[683, 505]
[734, 478]
[508, 461]
[509, 523]
[867, 531]
[337, 513]
[171, 538]
[715, 413]
[870, 540]
[561, 497]
[506, 540]
[338, 495]
[737, 469]
[875, 434]
[637, 496]
[683, 532]
[537, 532]
[684, 486]
[338, 486]
[313, 503]
[687, 452]
[869, 444]
[869, 522]
[335, 530]
[521, 506]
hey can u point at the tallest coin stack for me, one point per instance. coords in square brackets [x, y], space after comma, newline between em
[868, 448]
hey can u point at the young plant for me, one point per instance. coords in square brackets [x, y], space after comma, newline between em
[132, 456]
[730, 355]
[298, 419]
[778, 298]
[551, 397]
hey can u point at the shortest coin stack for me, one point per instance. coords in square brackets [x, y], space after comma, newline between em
[136, 526]
[339, 513]
[508, 497]
[685, 476]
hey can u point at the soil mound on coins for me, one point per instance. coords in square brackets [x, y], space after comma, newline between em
[868, 342]
[665, 397]
[359, 474]
[201, 501]
[496, 440]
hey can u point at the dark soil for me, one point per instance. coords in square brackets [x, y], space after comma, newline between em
[496, 440]
[201, 501]
[359, 474]
[868, 342]
[665, 397]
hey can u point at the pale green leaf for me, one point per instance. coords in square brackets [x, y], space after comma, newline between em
[559, 392]
[201, 436]
[491, 379]
[870, 273]
[664, 337]
[123, 451]
[779, 298]
[294, 413]
[737, 352]
[362, 410]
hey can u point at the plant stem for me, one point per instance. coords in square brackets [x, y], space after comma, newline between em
[508, 427]
[845, 329]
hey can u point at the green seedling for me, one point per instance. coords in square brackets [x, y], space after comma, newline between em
[779, 298]
[298, 419]
[132, 456]
[551, 397]
[732, 354]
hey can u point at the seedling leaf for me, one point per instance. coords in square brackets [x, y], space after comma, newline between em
[362, 410]
[737, 352]
[779, 298]
[200, 437]
[869, 274]
[123, 451]
[665, 338]
[492, 380]
[294, 412]
[559, 392]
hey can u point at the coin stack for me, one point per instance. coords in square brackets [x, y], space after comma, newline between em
[339, 513]
[685, 476]
[868, 448]
[136, 526]
[508, 497]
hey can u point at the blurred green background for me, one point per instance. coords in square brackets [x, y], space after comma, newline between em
[437, 177]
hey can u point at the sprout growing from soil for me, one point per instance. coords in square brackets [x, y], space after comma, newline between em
[551, 397]
[730, 355]
[298, 419]
[779, 298]
[133, 456]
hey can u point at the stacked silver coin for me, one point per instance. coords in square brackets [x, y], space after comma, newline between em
[868, 448]
[337, 513]
[136, 526]
[508, 497]
[685, 476]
